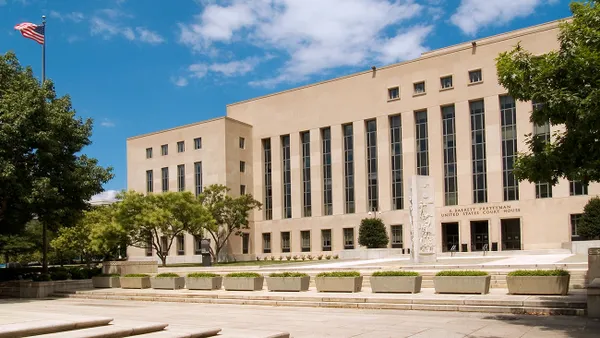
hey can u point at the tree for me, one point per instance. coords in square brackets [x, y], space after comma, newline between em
[589, 225]
[567, 83]
[372, 233]
[27, 242]
[158, 219]
[230, 215]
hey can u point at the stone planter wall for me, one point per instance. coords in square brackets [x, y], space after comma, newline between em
[29, 289]
[396, 284]
[135, 282]
[210, 283]
[339, 284]
[167, 283]
[106, 282]
[538, 285]
[462, 284]
[288, 283]
[129, 267]
[243, 283]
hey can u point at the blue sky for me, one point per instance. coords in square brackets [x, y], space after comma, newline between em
[137, 66]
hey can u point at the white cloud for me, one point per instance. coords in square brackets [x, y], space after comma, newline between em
[105, 196]
[73, 16]
[179, 81]
[198, 70]
[148, 36]
[235, 68]
[472, 15]
[107, 123]
[2, 2]
[107, 24]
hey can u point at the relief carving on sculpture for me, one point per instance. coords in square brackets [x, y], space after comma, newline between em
[411, 220]
[425, 224]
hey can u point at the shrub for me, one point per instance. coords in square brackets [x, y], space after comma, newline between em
[336, 256]
[339, 274]
[94, 272]
[328, 257]
[395, 274]
[461, 273]
[555, 272]
[136, 275]
[257, 258]
[309, 257]
[288, 274]
[202, 275]
[372, 233]
[320, 257]
[243, 275]
[60, 275]
[78, 273]
[295, 257]
[108, 275]
[589, 225]
[303, 257]
[265, 258]
[167, 275]
[288, 257]
[272, 258]
[41, 278]
[280, 258]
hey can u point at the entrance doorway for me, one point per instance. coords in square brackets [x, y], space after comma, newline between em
[480, 235]
[450, 237]
[511, 234]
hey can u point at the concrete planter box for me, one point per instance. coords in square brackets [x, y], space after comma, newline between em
[135, 282]
[538, 285]
[339, 284]
[243, 283]
[106, 282]
[208, 283]
[462, 284]
[396, 284]
[168, 283]
[288, 283]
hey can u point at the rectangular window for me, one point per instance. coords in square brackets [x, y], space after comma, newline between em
[305, 241]
[449, 145]
[419, 88]
[396, 150]
[198, 178]
[508, 120]
[542, 132]
[575, 219]
[197, 245]
[148, 152]
[242, 143]
[149, 247]
[446, 82]
[393, 93]
[327, 184]
[475, 76]
[242, 189]
[149, 181]
[242, 166]
[266, 143]
[180, 147]
[306, 191]
[165, 179]
[164, 149]
[266, 237]
[245, 243]
[198, 143]
[372, 181]
[348, 238]
[422, 142]
[396, 236]
[326, 240]
[478, 154]
[577, 188]
[180, 245]
[287, 176]
[181, 177]
[285, 241]
[348, 130]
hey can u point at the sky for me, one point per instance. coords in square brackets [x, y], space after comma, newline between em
[138, 66]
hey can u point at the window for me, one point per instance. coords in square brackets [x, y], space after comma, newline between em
[181, 177]
[449, 145]
[396, 231]
[198, 178]
[326, 240]
[508, 120]
[446, 82]
[575, 219]
[285, 241]
[165, 179]
[396, 150]
[148, 152]
[478, 155]
[422, 143]
[287, 176]
[305, 241]
[149, 181]
[576, 188]
[475, 76]
[242, 189]
[245, 243]
[149, 247]
[242, 143]
[242, 166]
[348, 238]
[197, 245]
[327, 184]
[180, 245]
[164, 149]
[348, 131]
[164, 245]
[419, 88]
[306, 193]
[180, 147]
[394, 93]
[372, 181]
[198, 143]
[266, 242]
[266, 143]
[542, 132]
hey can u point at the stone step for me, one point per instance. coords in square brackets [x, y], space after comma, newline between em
[180, 332]
[115, 330]
[49, 326]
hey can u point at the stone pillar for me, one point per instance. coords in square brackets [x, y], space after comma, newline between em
[422, 220]
[593, 289]
[593, 264]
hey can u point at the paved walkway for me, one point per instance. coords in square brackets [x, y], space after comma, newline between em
[315, 322]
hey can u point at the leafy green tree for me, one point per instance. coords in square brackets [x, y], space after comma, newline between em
[74, 240]
[230, 215]
[589, 226]
[567, 83]
[372, 233]
[25, 243]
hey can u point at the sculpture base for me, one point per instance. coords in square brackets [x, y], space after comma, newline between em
[424, 258]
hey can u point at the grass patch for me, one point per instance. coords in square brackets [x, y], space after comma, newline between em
[243, 275]
[288, 274]
[538, 273]
[167, 275]
[395, 274]
[461, 273]
[202, 275]
[339, 274]
[109, 275]
[136, 275]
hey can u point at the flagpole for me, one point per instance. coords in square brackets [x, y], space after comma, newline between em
[44, 51]
[44, 226]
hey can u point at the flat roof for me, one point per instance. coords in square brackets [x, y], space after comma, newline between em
[187, 126]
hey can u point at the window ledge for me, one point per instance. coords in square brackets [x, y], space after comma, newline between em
[475, 83]
[419, 94]
[446, 89]
[392, 100]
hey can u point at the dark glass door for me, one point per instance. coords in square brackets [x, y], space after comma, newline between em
[511, 234]
[480, 236]
[450, 237]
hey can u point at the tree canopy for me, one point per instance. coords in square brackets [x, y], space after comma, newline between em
[372, 233]
[589, 225]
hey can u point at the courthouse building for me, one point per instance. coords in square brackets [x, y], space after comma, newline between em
[324, 156]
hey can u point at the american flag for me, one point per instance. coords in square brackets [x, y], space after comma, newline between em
[32, 31]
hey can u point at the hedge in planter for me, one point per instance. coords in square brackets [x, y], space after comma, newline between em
[339, 281]
[167, 281]
[204, 281]
[135, 281]
[288, 281]
[106, 281]
[459, 281]
[243, 281]
[396, 282]
[538, 282]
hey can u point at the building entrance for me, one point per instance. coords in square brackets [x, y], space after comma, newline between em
[480, 235]
[511, 234]
[450, 237]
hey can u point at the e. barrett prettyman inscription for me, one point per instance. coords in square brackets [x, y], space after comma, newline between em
[480, 211]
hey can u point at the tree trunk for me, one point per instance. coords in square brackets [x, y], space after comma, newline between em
[44, 248]
[163, 259]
